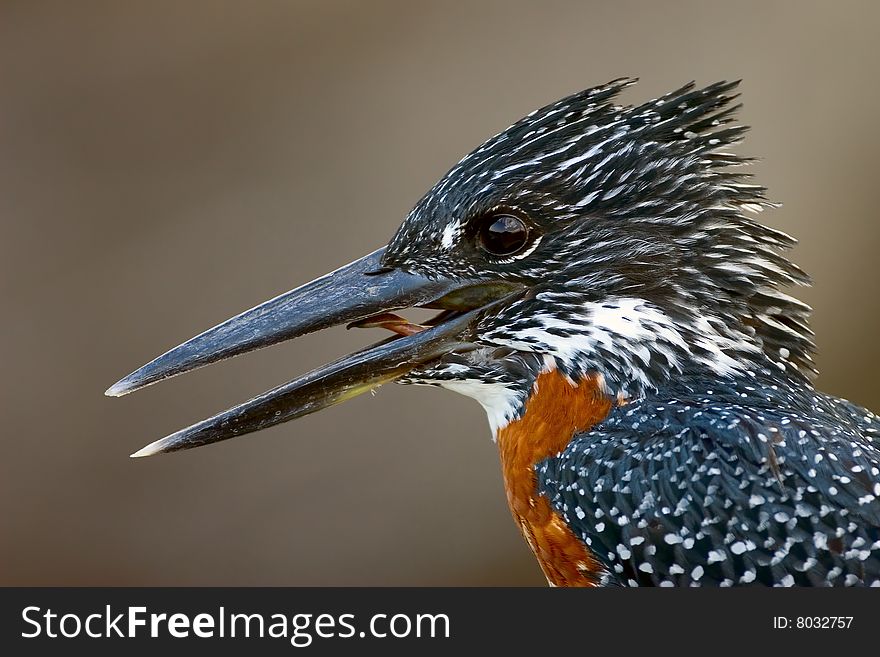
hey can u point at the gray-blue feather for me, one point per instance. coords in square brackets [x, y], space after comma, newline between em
[755, 480]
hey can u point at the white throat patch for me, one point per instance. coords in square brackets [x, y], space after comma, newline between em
[499, 401]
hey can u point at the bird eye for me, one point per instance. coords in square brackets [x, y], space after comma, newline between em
[503, 234]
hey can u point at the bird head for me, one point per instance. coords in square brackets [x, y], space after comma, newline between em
[591, 238]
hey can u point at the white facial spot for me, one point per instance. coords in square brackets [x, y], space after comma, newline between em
[450, 232]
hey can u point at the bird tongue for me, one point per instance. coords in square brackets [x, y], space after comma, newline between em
[390, 321]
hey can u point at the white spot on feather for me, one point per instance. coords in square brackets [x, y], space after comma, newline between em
[450, 232]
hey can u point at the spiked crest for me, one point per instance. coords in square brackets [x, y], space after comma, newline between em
[640, 263]
[590, 237]
[606, 298]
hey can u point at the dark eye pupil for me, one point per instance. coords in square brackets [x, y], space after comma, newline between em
[503, 234]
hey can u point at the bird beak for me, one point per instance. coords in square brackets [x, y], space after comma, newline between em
[354, 294]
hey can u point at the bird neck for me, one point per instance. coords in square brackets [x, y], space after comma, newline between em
[556, 410]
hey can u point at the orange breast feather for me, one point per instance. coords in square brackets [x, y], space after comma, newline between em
[554, 413]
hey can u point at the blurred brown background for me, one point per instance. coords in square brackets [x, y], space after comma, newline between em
[164, 165]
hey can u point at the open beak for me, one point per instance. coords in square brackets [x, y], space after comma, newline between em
[362, 293]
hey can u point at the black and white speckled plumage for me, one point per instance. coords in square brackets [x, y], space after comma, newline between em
[627, 203]
[750, 480]
[598, 256]
[722, 464]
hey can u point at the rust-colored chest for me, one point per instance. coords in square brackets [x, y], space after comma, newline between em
[554, 413]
